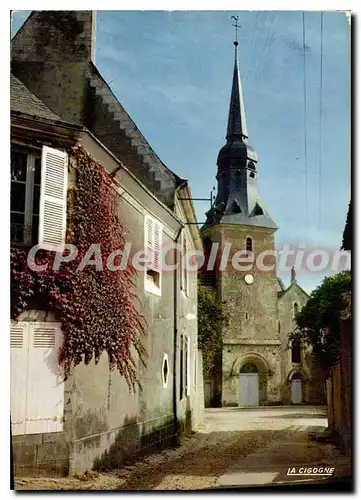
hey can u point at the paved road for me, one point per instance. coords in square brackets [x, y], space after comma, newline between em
[234, 448]
[290, 451]
[238, 447]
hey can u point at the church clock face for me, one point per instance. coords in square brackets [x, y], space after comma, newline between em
[248, 279]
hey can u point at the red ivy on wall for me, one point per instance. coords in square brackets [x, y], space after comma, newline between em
[98, 309]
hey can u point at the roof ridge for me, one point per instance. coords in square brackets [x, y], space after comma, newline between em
[136, 128]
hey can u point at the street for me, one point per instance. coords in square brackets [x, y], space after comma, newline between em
[235, 447]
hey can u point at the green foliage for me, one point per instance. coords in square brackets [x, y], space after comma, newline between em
[211, 318]
[318, 324]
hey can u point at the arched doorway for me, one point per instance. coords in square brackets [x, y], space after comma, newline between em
[296, 390]
[298, 381]
[249, 385]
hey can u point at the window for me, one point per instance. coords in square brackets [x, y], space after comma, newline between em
[249, 368]
[187, 365]
[296, 351]
[184, 366]
[249, 245]
[38, 197]
[295, 309]
[165, 371]
[195, 367]
[153, 245]
[181, 368]
[25, 197]
[183, 266]
[37, 387]
[279, 327]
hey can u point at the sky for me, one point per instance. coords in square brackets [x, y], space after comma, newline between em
[172, 71]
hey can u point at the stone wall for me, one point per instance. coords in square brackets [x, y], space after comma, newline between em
[250, 318]
[37, 454]
[267, 360]
[51, 54]
[313, 383]
[339, 391]
[252, 334]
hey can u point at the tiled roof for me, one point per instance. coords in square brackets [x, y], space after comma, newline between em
[23, 101]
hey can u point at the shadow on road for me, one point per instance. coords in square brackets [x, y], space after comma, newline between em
[291, 416]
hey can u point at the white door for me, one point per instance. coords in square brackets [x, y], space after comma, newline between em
[18, 364]
[296, 389]
[37, 386]
[248, 389]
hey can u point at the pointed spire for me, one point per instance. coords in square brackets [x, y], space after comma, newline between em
[237, 127]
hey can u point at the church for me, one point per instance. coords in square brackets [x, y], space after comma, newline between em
[258, 365]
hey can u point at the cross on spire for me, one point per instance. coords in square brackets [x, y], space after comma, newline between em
[236, 25]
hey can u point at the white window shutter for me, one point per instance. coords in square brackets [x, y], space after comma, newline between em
[45, 385]
[18, 374]
[53, 195]
[153, 242]
[149, 237]
[157, 246]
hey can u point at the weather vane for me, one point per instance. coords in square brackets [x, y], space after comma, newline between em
[236, 26]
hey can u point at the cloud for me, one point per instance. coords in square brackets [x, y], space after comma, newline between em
[111, 54]
[182, 94]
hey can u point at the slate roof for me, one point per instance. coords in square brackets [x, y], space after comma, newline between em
[280, 285]
[347, 233]
[281, 293]
[23, 101]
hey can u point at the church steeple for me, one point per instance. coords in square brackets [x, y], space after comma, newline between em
[237, 200]
[237, 126]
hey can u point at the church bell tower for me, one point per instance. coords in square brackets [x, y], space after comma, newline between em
[251, 359]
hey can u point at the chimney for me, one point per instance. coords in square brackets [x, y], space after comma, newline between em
[62, 35]
[51, 54]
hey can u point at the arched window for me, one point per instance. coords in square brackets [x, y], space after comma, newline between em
[296, 351]
[249, 245]
[295, 309]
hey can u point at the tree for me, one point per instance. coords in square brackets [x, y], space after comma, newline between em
[318, 324]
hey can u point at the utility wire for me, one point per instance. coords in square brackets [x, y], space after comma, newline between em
[262, 68]
[263, 47]
[320, 132]
[320, 128]
[305, 118]
[257, 36]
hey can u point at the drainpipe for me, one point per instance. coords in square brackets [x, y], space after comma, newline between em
[175, 343]
[175, 333]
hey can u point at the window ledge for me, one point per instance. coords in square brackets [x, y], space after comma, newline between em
[152, 288]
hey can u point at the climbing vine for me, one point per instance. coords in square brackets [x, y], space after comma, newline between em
[212, 318]
[98, 309]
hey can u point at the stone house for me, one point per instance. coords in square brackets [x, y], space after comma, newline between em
[59, 100]
[259, 366]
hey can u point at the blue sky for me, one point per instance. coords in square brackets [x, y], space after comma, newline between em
[172, 72]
